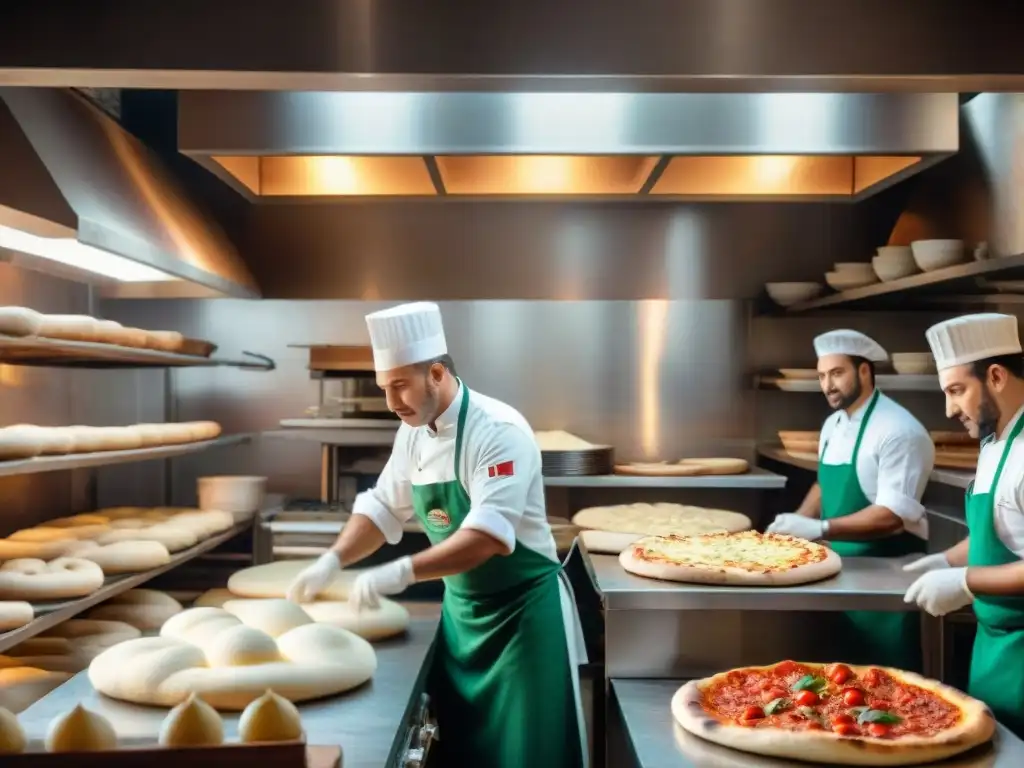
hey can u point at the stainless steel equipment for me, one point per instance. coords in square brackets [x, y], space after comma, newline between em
[598, 460]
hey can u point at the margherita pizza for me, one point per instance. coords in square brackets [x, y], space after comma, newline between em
[752, 558]
[833, 714]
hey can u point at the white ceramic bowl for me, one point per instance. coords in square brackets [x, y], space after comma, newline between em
[894, 268]
[937, 254]
[845, 281]
[853, 268]
[787, 294]
[240, 495]
[913, 363]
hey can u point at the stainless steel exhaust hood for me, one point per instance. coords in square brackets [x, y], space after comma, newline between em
[695, 147]
[93, 200]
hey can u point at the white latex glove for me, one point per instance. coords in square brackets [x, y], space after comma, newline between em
[940, 592]
[928, 563]
[388, 579]
[314, 579]
[792, 524]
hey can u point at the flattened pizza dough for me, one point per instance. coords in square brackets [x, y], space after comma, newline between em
[911, 719]
[612, 529]
[748, 558]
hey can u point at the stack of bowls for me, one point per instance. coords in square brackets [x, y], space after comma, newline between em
[937, 254]
[851, 274]
[894, 262]
[913, 363]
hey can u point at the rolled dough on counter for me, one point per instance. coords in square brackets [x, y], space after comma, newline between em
[144, 609]
[229, 662]
[20, 321]
[273, 580]
[611, 529]
[15, 614]
[36, 580]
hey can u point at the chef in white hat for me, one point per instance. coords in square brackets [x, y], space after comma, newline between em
[874, 460]
[981, 371]
[504, 678]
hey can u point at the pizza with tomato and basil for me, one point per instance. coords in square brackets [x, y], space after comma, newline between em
[835, 713]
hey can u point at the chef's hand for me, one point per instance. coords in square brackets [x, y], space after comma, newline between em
[928, 563]
[388, 579]
[314, 579]
[940, 592]
[791, 524]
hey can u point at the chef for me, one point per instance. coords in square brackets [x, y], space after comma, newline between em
[981, 371]
[874, 460]
[504, 677]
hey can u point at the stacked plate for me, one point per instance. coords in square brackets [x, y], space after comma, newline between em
[913, 363]
[851, 274]
[599, 460]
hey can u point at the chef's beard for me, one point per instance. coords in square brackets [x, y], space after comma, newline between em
[988, 415]
[428, 411]
[849, 398]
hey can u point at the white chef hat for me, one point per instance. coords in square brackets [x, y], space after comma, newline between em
[971, 338]
[406, 334]
[847, 342]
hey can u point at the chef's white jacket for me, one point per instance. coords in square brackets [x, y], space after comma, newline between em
[509, 507]
[895, 460]
[1008, 504]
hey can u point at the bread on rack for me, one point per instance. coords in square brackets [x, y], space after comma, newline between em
[144, 609]
[15, 614]
[23, 322]
[28, 441]
[38, 581]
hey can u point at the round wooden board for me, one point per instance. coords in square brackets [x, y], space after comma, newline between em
[685, 468]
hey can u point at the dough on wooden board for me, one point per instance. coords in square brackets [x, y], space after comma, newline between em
[14, 614]
[145, 609]
[21, 687]
[36, 580]
[69, 327]
[612, 529]
[123, 556]
[20, 321]
[230, 663]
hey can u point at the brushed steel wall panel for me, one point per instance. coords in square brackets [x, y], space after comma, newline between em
[45, 396]
[615, 251]
[656, 379]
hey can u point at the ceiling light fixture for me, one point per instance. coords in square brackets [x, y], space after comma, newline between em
[70, 252]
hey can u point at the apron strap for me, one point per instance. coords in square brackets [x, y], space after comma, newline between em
[860, 433]
[1014, 434]
[460, 431]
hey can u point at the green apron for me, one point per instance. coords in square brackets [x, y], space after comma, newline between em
[885, 638]
[997, 664]
[501, 681]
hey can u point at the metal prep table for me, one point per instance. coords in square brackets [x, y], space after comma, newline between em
[645, 735]
[371, 724]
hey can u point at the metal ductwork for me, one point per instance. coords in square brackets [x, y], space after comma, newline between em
[92, 202]
[612, 145]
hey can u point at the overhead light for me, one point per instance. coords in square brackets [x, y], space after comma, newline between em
[70, 252]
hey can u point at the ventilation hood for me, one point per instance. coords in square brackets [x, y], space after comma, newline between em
[82, 198]
[695, 147]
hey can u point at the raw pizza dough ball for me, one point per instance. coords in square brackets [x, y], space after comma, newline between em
[20, 321]
[12, 736]
[193, 723]
[612, 529]
[80, 731]
[387, 620]
[123, 556]
[53, 441]
[145, 609]
[174, 538]
[22, 442]
[229, 664]
[270, 718]
[151, 435]
[21, 687]
[165, 341]
[273, 580]
[33, 550]
[14, 614]
[91, 632]
[49, 533]
[213, 598]
[69, 327]
[120, 438]
[35, 580]
[87, 439]
[75, 521]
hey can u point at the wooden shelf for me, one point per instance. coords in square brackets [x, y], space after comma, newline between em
[49, 615]
[958, 279]
[953, 477]
[38, 351]
[105, 458]
[885, 382]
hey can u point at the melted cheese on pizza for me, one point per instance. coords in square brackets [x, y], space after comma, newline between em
[749, 550]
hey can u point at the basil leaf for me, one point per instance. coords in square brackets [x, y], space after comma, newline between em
[858, 711]
[811, 714]
[775, 705]
[810, 683]
[878, 716]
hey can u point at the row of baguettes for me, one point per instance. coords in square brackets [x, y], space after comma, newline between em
[27, 441]
[22, 321]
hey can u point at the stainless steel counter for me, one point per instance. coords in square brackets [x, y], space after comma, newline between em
[865, 583]
[368, 723]
[646, 736]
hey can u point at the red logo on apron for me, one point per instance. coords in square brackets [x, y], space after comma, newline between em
[439, 518]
